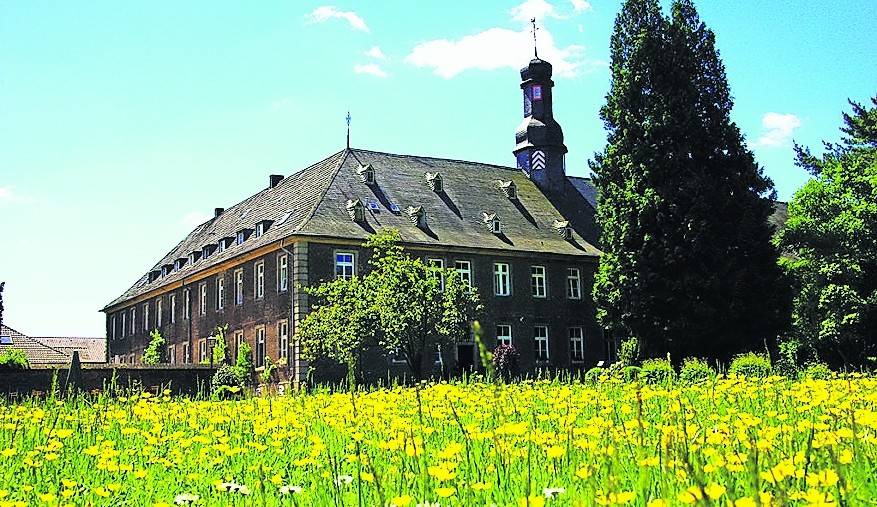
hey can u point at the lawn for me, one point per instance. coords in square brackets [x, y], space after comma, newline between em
[725, 442]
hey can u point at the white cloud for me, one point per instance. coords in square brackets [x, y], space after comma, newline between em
[369, 68]
[195, 218]
[6, 194]
[777, 129]
[539, 9]
[282, 103]
[581, 5]
[9, 196]
[376, 53]
[327, 12]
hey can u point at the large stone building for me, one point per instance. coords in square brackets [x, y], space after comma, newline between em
[522, 235]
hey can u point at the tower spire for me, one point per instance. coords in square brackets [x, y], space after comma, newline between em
[348, 129]
[535, 49]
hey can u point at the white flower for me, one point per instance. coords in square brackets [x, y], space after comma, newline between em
[343, 479]
[295, 490]
[185, 499]
[233, 488]
[553, 492]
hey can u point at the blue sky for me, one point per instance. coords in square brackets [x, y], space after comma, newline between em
[123, 124]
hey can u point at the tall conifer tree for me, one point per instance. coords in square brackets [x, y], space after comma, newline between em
[688, 266]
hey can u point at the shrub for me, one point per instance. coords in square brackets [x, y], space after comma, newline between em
[226, 381]
[155, 351]
[631, 373]
[628, 352]
[243, 366]
[751, 365]
[789, 358]
[657, 371]
[696, 370]
[819, 371]
[506, 362]
[13, 359]
[220, 348]
[592, 376]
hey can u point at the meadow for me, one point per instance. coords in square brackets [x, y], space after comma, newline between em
[728, 441]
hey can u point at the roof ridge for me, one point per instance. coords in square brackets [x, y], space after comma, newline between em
[325, 190]
[46, 345]
[459, 161]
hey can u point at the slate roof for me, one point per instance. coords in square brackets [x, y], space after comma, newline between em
[52, 350]
[316, 201]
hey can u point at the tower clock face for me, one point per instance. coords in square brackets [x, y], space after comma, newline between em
[537, 92]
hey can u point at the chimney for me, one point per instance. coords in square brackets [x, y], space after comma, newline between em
[217, 212]
[274, 179]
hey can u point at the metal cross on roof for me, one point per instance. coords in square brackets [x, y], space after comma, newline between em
[535, 51]
[348, 130]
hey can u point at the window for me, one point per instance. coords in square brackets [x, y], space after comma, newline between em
[203, 305]
[344, 265]
[206, 251]
[202, 350]
[239, 287]
[496, 226]
[440, 264]
[241, 237]
[537, 281]
[503, 334]
[221, 246]
[146, 316]
[159, 312]
[282, 272]
[283, 339]
[187, 357]
[220, 292]
[192, 258]
[131, 359]
[238, 343]
[173, 308]
[171, 354]
[124, 324]
[573, 283]
[501, 282]
[133, 315]
[260, 347]
[541, 335]
[260, 229]
[187, 304]
[464, 269]
[260, 279]
[576, 344]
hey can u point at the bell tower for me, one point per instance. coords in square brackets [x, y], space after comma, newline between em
[539, 148]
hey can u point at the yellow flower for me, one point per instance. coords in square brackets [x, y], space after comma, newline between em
[691, 495]
[714, 491]
[47, 497]
[532, 501]
[445, 492]
[846, 457]
[555, 451]
[481, 486]
[657, 502]
[744, 502]
[401, 501]
[140, 474]
[583, 472]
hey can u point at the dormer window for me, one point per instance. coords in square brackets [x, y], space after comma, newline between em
[166, 269]
[241, 236]
[220, 246]
[417, 215]
[179, 263]
[356, 210]
[509, 189]
[562, 228]
[261, 227]
[194, 256]
[154, 274]
[434, 180]
[366, 174]
[207, 250]
[492, 222]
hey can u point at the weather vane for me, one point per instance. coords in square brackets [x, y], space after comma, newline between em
[535, 51]
[348, 130]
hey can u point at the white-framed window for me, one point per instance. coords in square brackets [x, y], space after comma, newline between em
[187, 304]
[496, 226]
[283, 339]
[171, 354]
[203, 305]
[538, 281]
[131, 359]
[260, 279]
[503, 334]
[576, 344]
[221, 246]
[187, 356]
[464, 269]
[241, 237]
[202, 350]
[133, 318]
[345, 264]
[146, 316]
[502, 279]
[260, 229]
[260, 346]
[220, 292]
[440, 264]
[159, 312]
[573, 283]
[540, 333]
[113, 327]
[239, 287]
[282, 272]
[124, 323]
[173, 308]
[238, 343]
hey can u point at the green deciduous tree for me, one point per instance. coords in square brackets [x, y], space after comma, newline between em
[688, 265]
[401, 305]
[831, 238]
[155, 351]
